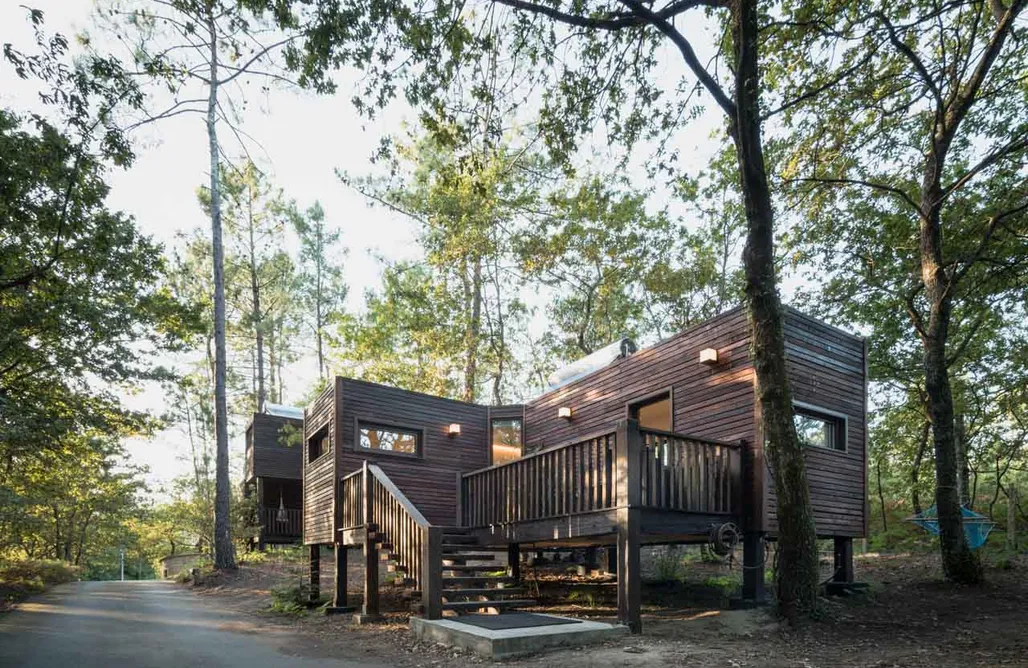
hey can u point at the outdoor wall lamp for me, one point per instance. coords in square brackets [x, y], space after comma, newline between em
[454, 429]
[564, 412]
[708, 356]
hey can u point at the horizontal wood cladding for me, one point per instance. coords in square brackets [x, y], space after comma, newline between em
[827, 371]
[268, 455]
[429, 480]
[715, 402]
[318, 476]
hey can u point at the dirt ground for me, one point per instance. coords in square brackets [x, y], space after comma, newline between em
[908, 618]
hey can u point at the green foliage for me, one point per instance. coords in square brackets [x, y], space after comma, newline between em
[22, 578]
[290, 599]
[669, 566]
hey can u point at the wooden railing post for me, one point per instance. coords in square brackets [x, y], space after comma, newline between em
[432, 572]
[369, 610]
[460, 499]
[629, 582]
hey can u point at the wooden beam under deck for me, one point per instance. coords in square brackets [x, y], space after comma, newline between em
[599, 528]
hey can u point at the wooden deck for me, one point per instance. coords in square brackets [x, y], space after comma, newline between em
[624, 487]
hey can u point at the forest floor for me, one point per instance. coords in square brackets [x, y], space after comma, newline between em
[909, 617]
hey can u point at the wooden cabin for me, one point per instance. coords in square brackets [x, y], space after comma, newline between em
[274, 473]
[658, 446]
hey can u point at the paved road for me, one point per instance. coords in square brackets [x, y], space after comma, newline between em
[142, 624]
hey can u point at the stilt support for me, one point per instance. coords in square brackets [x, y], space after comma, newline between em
[315, 573]
[753, 567]
[629, 575]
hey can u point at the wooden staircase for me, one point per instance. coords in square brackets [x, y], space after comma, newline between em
[446, 566]
[472, 579]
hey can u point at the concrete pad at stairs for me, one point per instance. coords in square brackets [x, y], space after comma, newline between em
[506, 643]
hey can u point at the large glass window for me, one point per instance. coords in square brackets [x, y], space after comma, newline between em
[506, 438]
[820, 430]
[389, 439]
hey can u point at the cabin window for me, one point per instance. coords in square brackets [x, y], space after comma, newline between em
[653, 412]
[820, 429]
[506, 440]
[319, 444]
[389, 439]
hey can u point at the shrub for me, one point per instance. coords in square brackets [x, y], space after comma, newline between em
[19, 579]
[668, 567]
[290, 599]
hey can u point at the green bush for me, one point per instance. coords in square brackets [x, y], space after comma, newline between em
[290, 599]
[668, 567]
[19, 579]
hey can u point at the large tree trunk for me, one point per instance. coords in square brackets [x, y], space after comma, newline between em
[963, 470]
[797, 576]
[959, 563]
[224, 555]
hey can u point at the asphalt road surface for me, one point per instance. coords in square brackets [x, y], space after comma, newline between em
[130, 624]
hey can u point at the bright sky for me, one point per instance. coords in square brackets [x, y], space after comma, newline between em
[303, 138]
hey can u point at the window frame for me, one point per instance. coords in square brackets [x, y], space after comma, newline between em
[417, 432]
[840, 420]
[633, 405]
[321, 435]
[496, 418]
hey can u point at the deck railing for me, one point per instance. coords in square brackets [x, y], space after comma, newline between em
[371, 500]
[686, 473]
[669, 471]
[351, 496]
[565, 480]
[278, 523]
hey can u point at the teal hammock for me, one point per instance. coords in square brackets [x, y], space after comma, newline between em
[976, 526]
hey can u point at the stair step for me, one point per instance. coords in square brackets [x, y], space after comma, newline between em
[478, 605]
[474, 568]
[469, 556]
[474, 579]
[456, 540]
[483, 592]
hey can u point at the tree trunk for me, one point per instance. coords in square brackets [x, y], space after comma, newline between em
[959, 563]
[256, 315]
[1011, 518]
[964, 479]
[915, 471]
[473, 298]
[224, 555]
[797, 576]
[881, 494]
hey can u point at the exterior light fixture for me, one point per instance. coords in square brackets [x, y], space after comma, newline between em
[454, 429]
[708, 356]
[564, 412]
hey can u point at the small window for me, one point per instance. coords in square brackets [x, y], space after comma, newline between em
[506, 440]
[319, 444]
[389, 439]
[820, 430]
[653, 413]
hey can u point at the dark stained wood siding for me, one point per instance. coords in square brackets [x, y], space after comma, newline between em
[826, 367]
[429, 480]
[267, 455]
[318, 476]
[716, 402]
[827, 370]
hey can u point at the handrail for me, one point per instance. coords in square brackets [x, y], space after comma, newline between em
[537, 453]
[400, 497]
[581, 476]
[689, 437]
[369, 497]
